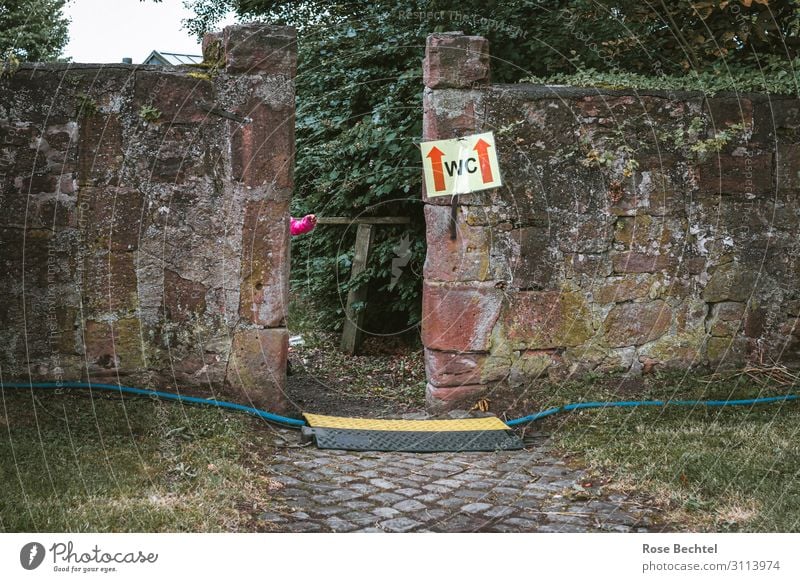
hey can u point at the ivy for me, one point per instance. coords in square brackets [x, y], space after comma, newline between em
[359, 102]
[776, 76]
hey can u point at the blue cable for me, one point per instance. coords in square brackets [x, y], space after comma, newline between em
[166, 396]
[630, 404]
[293, 422]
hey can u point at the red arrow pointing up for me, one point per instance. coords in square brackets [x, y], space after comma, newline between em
[436, 156]
[483, 158]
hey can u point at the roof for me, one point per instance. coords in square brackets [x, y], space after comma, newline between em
[172, 59]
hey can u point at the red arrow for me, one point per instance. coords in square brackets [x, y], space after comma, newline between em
[436, 156]
[483, 157]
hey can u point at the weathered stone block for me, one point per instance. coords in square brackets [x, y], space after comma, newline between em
[265, 263]
[453, 369]
[459, 317]
[656, 188]
[726, 111]
[634, 324]
[439, 399]
[453, 60]
[113, 347]
[182, 298]
[592, 266]
[57, 212]
[622, 289]
[755, 321]
[678, 351]
[584, 233]
[213, 47]
[747, 174]
[531, 131]
[530, 366]
[539, 320]
[100, 150]
[534, 263]
[257, 368]
[176, 96]
[632, 262]
[180, 153]
[730, 282]
[647, 234]
[39, 184]
[260, 49]
[109, 282]
[788, 167]
[726, 318]
[776, 118]
[111, 217]
[476, 254]
[262, 151]
[691, 315]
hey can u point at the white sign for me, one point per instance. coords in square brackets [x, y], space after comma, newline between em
[461, 165]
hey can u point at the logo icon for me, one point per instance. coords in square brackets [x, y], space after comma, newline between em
[31, 555]
[402, 253]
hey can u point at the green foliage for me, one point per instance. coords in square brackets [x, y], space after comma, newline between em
[10, 65]
[359, 98]
[149, 113]
[772, 75]
[85, 106]
[33, 30]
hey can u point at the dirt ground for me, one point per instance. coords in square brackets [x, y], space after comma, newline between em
[386, 378]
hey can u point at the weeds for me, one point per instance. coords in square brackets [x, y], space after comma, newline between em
[710, 469]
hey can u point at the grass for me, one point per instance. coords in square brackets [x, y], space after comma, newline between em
[709, 469]
[73, 463]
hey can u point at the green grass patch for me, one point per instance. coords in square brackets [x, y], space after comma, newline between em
[87, 463]
[712, 469]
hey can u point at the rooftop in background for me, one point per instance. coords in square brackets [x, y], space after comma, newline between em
[172, 59]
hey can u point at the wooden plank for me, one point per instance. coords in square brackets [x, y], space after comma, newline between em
[352, 334]
[363, 220]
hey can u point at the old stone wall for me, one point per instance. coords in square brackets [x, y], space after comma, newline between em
[635, 231]
[144, 232]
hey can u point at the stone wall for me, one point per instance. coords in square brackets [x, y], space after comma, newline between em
[635, 231]
[144, 232]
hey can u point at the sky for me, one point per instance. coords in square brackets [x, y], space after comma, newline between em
[106, 31]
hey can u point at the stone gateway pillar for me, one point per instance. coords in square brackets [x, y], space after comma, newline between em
[144, 238]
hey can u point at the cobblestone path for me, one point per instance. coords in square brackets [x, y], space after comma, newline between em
[512, 491]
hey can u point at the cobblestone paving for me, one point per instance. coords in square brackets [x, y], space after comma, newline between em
[512, 491]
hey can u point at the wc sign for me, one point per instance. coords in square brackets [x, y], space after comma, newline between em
[460, 165]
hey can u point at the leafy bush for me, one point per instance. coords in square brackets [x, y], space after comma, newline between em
[359, 99]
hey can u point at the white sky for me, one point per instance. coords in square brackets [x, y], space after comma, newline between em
[105, 31]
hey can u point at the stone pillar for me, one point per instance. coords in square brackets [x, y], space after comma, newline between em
[460, 303]
[264, 61]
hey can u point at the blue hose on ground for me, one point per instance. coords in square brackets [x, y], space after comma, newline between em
[293, 422]
[632, 404]
[296, 423]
